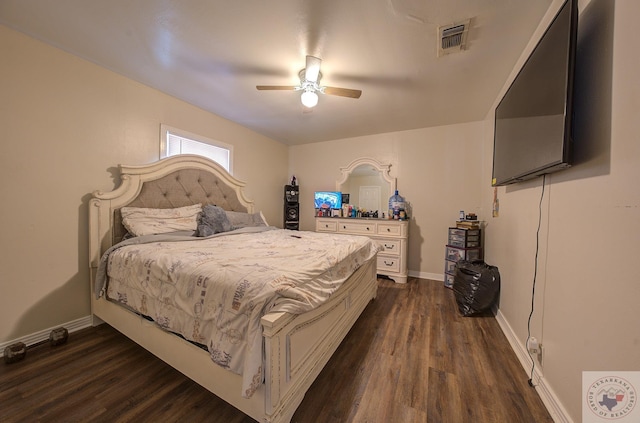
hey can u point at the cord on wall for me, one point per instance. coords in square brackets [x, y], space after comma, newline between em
[533, 285]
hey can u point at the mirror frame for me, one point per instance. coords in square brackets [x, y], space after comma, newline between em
[384, 170]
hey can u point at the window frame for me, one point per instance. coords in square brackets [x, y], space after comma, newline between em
[166, 129]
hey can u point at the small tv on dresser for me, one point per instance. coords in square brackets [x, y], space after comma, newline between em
[328, 199]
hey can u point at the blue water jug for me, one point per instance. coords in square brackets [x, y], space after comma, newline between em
[396, 207]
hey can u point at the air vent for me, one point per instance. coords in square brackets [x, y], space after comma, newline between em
[452, 38]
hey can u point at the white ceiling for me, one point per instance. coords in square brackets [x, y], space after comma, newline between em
[212, 53]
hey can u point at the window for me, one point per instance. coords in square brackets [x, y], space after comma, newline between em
[175, 141]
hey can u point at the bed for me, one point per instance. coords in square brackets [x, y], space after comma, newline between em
[297, 336]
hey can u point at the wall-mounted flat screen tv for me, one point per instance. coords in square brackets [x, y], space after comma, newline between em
[328, 199]
[533, 121]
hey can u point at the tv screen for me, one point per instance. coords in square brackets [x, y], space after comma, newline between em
[533, 120]
[328, 199]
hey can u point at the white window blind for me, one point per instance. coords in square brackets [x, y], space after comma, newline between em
[175, 141]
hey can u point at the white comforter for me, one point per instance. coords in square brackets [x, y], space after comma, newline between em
[215, 290]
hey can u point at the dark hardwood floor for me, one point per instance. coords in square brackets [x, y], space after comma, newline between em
[411, 357]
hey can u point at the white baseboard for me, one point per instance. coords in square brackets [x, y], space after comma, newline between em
[43, 335]
[425, 275]
[548, 397]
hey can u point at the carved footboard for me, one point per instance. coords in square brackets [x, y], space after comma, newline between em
[298, 347]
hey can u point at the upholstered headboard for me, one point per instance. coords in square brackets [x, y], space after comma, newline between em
[181, 188]
[173, 182]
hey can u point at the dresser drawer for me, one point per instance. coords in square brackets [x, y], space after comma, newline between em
[325, 226]
[390, 246]
[388, 264]
[390, 235]
[389, 229]
[464, 238]
[469, 243]
[463, 232]
[364, 228]
[455, 254]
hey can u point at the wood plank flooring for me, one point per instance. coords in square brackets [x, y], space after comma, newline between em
[411, 357]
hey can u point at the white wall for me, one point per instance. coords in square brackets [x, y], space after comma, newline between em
[66, 124]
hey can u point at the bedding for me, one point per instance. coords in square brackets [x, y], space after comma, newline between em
[214, 290]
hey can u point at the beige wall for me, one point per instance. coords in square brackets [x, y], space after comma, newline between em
[438, 171]
[587, 294]
[587, 291]
[66, 124]
[66, 117]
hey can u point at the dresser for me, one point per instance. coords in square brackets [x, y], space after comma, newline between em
[391, 236]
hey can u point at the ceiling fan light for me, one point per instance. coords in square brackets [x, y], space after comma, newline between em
[309, 98]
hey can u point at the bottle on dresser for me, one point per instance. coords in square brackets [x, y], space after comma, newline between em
[397, 209]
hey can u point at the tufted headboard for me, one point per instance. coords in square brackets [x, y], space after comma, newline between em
[181, 188]
[173, 182]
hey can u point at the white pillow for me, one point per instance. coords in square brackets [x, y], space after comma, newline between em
[142, 221]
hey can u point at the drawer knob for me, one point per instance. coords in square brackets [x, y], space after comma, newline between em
[367, 228]
[388, 229]
[344, 227]
[388, 246]
[387, 263]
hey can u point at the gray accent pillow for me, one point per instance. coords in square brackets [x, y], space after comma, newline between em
[213, 220]
[242, 220]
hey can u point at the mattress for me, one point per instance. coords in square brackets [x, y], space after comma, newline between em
[215, 290]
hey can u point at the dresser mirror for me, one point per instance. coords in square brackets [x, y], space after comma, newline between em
[368, 184]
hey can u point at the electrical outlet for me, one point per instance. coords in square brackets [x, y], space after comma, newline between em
[533, 346]
[540, 354]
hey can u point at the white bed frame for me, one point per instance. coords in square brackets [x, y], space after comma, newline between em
[296, 346]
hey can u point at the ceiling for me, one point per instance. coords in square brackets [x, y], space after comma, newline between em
[213, 53]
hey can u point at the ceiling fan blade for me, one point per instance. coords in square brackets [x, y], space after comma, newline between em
[343, 92]
[312, 69]
[278, 87]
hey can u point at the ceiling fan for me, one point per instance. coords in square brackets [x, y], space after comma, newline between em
[310, 85]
